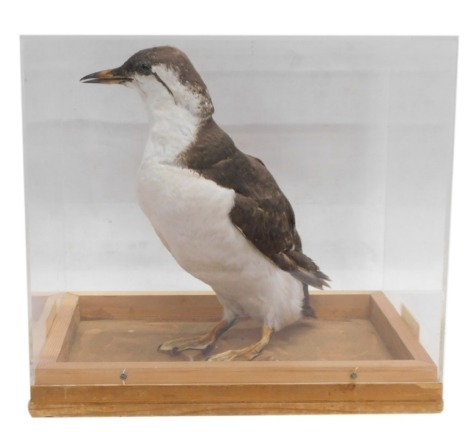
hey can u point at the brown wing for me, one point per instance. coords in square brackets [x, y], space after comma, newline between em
[261, 211]
[266, 218]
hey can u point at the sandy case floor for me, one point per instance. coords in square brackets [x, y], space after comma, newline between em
[309, 339]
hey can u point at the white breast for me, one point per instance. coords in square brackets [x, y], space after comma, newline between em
[191, 216]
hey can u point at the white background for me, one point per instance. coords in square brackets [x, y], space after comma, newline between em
[360, 17]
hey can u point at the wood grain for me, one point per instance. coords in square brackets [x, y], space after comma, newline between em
[235, 372]
[61, 332]
[236, 399]
[402, 379]
[395, 333]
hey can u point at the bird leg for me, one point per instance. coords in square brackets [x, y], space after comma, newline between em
[250, 352]
[203, 343]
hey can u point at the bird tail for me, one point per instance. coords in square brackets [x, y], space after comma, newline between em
[302, 268]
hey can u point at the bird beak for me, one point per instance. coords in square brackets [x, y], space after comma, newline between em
[109, 76]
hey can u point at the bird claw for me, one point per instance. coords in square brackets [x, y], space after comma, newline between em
[175, 346]
[202, 343]
[250, 352]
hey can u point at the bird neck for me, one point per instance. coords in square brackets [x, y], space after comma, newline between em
[172, 129]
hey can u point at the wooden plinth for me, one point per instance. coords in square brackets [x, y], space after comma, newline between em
[356, 356]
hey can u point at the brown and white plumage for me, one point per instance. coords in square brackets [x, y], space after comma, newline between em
[218, 211]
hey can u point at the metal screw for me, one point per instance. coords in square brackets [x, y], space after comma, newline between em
[123, 376]
[354, 374]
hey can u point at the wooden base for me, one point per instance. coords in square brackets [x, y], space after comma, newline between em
[235, 399]
[100, 358]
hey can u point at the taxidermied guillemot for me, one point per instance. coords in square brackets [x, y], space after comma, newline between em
[218, 211]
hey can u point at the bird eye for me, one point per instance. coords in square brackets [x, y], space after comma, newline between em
[144, 68]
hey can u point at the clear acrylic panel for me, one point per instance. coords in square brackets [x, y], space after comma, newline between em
[357, 131]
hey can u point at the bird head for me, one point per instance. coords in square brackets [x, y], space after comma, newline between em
[164, 77]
